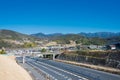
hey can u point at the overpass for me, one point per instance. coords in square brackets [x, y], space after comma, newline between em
[34, 52]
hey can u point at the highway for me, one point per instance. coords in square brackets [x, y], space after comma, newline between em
[63, 71]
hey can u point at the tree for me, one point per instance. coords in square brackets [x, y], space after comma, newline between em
[77, 41]
[29, 44]
[43, 50]
[67, 41]
[78, 47]
[2, 52]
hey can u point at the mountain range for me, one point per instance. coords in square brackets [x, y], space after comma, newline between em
[98, 37]
[89, 35]
[9, 34]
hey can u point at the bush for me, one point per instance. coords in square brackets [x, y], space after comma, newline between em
[43, 50]
[29, 45]
[2, 52]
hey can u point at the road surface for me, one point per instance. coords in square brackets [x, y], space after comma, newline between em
[64, 71]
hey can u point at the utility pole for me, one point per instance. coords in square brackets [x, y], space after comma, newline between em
[23, 59]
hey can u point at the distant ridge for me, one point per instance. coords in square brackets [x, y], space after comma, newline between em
[89, 35]
[101, 34]
[42, 35]
[9, 34]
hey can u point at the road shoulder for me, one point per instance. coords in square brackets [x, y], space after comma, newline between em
[100, 68]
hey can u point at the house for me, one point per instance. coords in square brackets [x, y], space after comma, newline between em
[113, 46]
[91, 47]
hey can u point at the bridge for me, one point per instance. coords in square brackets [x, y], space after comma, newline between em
[33, 52]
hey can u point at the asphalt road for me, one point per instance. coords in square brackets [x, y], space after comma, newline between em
[63, 71]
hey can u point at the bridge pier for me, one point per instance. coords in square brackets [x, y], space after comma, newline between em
[53, 56]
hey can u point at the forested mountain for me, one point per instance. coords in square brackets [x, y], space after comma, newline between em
[13, 39]
[9, 34]
[99, 38]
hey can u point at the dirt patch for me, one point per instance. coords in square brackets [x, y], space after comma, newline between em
[10, 70]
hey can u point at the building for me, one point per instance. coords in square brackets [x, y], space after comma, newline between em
[113, 46]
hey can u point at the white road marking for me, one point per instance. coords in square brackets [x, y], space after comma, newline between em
[64, 71]
[38, 69]
[50, 70]
[70, 79]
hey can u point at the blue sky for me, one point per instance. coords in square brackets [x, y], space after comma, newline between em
[60, 16]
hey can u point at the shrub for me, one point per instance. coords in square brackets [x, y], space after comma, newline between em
[2, 52]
